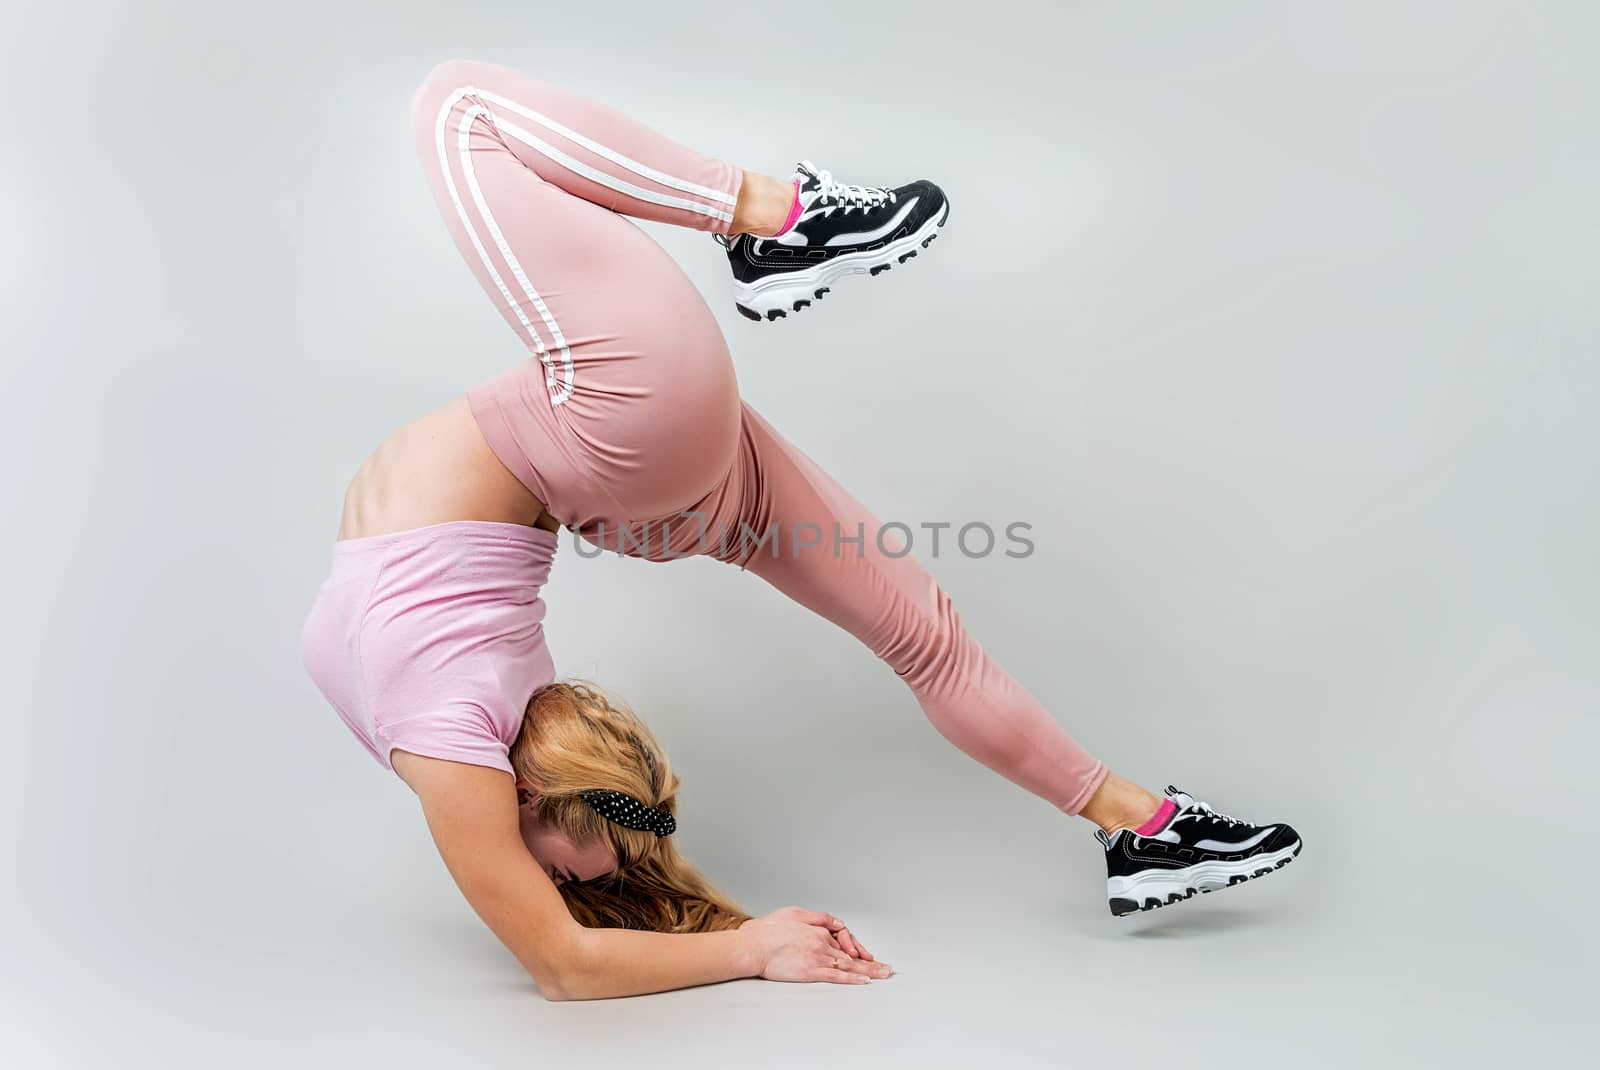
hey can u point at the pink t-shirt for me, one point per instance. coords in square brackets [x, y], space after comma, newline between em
[432, 640]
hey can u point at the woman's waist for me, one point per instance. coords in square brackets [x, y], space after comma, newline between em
[434, 470]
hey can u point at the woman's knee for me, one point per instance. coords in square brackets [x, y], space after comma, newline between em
[930, 647]
[446, 82]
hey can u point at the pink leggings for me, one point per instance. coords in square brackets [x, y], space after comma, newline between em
[627, 421]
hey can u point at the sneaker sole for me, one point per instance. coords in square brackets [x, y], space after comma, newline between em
[775, 297]
[1160, 888]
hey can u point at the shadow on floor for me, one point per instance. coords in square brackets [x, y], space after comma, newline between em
[1179, 924]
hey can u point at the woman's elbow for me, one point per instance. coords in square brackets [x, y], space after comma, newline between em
[555, 969]
[551, 993]
[562, 984]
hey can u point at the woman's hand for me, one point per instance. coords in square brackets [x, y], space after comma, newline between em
[795, 944]
[844, 939]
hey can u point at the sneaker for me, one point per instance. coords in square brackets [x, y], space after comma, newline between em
[1196, 849]
[842, 230]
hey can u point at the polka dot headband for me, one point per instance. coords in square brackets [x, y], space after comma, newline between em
[629, 812]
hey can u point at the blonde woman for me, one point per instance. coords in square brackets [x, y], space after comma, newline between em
[553, 807]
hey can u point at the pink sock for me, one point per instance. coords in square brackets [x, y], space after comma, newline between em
[1159, 821]
[794, 214]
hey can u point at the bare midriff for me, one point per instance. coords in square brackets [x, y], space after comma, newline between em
[434, 470]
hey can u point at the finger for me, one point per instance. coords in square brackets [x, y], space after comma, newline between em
[810, 917]
[846, 964]
[861, 949]
[847, 943]
[822, 939]
[842, 977]
[870, 969]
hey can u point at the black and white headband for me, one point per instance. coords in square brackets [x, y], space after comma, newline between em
[629, 812]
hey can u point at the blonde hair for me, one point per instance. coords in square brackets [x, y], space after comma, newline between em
[573, 739]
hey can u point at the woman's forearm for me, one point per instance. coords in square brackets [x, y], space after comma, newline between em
[624, 962]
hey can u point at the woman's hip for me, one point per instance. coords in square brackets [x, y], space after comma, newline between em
[641, 435]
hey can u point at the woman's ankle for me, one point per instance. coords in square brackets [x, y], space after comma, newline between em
[763, 206]
[1119, 804]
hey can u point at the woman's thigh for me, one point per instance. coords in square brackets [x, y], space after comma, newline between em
[628, 406]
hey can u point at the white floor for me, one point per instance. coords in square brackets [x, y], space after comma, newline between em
[1367, 950]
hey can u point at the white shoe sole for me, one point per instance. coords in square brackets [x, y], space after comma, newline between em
[777, 295]
[1158, 887]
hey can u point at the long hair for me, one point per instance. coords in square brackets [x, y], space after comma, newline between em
[573, 739]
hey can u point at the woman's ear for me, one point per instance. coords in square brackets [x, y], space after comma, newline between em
[527, 795]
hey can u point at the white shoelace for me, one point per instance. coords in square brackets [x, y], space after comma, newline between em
[1218, 814]
[844, 193]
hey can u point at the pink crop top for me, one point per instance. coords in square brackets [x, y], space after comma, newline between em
[432, 640]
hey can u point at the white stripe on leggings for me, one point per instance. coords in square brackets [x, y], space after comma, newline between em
[594, 174]
[558, 392]
[642, 170]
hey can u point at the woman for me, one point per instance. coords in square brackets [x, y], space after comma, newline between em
[551, 806]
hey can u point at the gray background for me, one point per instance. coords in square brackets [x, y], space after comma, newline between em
[1277, 321]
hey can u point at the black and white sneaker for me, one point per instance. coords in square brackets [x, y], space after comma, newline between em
[1196, 850]
[842, 230]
